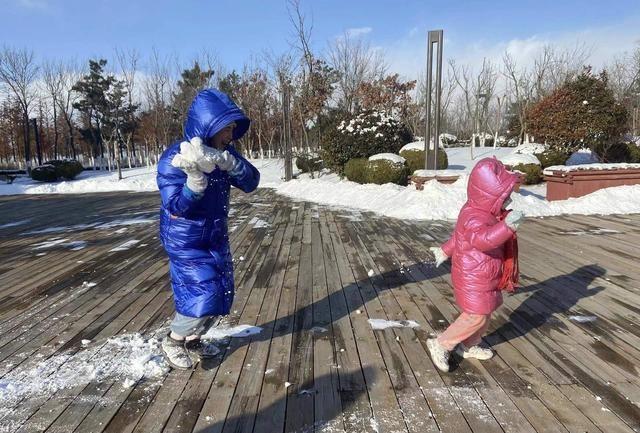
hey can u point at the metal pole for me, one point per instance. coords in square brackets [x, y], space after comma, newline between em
[436, 140]
[427, 135]
[435, 37]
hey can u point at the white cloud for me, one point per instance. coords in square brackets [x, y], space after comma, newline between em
[358, 31]
[407, 56]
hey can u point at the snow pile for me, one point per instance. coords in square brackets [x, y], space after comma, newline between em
[568, 168]
[418, 145]
[385, 324]
[391, 157]
[582, 156]
[519, 158]
[415, 145]
[530, 148]
[125, 358]
[439, 173]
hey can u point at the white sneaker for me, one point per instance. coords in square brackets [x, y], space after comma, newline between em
[477, 352]
[176, 354]
[439, 355]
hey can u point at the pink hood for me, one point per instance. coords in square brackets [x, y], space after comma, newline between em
[476, 246]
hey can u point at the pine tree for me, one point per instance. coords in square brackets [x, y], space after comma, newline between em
[93, 104]
[192, 81]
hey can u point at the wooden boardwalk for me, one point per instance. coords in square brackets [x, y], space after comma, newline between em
[82, 276]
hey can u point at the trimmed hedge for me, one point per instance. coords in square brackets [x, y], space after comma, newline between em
[532, 173]
[552, 157]
[55, 169]
[381, 171]
[44, 173]
[415, 159]
[356, 170]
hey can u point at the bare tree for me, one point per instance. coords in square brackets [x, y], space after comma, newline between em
[128, 64]
[18, 72]
[355, 62]
[53, 83]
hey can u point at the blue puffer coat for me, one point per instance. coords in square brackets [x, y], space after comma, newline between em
[193, 227]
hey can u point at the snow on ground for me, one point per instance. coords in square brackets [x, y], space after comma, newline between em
[436, 201]
[124, 359]
[135, 179]
[385, 324]
[224, 331]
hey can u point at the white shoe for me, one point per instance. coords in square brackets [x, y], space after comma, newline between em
[439, 355]
[176, 354]
[477, 352]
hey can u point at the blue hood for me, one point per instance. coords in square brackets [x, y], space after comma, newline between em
[210, 111]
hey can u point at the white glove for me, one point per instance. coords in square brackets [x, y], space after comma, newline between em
[439, 255]
[196, 180]
[514, 219]
[204, 156]
[226, 161]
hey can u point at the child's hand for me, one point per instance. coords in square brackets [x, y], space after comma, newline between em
[439, 255]
[514, 219]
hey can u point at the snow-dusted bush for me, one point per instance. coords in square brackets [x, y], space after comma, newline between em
[532, 173]
[44, 173]
[308, 162]
[448, 139]
[361, 136]
[356, 170]
[387, 168]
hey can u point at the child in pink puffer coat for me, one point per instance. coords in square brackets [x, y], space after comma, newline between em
[477, 252]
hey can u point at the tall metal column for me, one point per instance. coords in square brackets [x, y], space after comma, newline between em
[431, 155]
[286, 130]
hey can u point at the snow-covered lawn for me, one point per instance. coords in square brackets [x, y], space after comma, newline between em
[436, 201]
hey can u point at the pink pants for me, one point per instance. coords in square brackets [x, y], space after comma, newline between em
[467, 329]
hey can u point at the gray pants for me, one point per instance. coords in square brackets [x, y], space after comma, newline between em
[185, 326]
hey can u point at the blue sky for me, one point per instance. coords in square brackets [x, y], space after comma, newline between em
[236, 30]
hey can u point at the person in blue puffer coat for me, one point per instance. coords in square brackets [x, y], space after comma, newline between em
[194, 178]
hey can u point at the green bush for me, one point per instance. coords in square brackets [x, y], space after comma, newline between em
[356, 170]
[307, 162]
[532, 173]
[415, 159]
[552, 157]
[381, 171]
[362, 136]
[44, 173]
[634, 153]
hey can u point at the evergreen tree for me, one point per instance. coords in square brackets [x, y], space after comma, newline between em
[581, 113]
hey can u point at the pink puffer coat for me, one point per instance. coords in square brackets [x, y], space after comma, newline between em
[476, 246]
